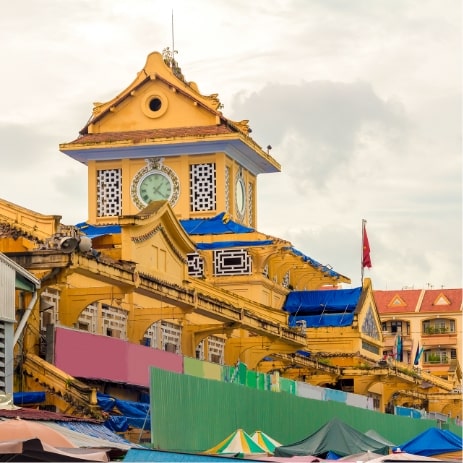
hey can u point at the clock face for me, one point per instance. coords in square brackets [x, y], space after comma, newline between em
[156, 186]
[240, 195]
[155, 182]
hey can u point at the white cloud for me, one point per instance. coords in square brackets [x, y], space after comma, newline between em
[360, 100]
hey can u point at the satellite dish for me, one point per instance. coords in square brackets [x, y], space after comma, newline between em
[85, 244]
[68, 244]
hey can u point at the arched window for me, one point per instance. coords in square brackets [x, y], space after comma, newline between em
[439, 326]
[396, 327]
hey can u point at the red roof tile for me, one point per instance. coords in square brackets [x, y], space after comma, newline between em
[140, 136]
[442, 300]
[407, 300]
[397, 301]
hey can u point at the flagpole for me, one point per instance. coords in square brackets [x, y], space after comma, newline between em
[361, 253]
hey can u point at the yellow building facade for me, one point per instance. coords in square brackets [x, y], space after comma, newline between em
[170, 257]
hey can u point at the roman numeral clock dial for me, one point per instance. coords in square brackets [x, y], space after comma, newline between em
[155, 187]
[155, 182]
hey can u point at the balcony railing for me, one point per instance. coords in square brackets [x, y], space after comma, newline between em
[437, 330]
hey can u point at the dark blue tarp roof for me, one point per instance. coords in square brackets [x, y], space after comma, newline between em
[322, 307]
[94, 231]
[317, 321]
[233, 244]
[324, 300]
[433, 441]
[217, 225]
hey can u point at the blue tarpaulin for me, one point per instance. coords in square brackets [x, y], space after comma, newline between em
[23, 398]
[233, 244]
[117, 423]
[323, 307]
[94, 231]
[135, 414]
[322, 301]
[328, 319]
[324, 268]
[217, 225]
[433, 441]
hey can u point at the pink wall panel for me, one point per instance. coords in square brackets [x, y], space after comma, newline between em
[141, 358]
[92, 356]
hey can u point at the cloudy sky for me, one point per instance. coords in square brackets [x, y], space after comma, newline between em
[359, 99]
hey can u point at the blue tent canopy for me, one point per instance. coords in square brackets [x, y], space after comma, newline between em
[433, 441]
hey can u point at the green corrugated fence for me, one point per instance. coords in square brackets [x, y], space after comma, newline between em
[190, 413]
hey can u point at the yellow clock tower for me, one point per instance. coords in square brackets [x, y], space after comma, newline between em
[161, 139]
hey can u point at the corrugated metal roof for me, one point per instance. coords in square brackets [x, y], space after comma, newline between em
[91, 435]
[159, 455]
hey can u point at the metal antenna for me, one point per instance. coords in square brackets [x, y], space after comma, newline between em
[173, 46]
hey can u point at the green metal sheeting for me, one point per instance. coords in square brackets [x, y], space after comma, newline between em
[193, 414]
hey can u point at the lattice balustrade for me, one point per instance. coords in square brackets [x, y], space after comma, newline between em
[88, 319]
[232, 262]
[227, 189]
[49, 305]
[265, 271]
[114, 321]
[200, 351]
[195, 265]
[151, 337]
[285, 280]
[171, 337]
[109, 192]
[202, 187]
[3, 357]
[250, 205]
[215, 349]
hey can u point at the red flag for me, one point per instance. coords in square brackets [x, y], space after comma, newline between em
[366, 259]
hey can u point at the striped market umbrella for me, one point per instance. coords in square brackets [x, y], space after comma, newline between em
[265, 441]
[238, 443]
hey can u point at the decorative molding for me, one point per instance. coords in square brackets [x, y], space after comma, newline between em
[154, 231]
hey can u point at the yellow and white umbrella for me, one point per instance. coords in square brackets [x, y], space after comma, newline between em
[238, 443]
[265, 441]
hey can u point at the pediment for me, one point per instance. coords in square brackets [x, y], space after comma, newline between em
[156, 99]
[397, 301]
[369, 319]
[441, 300]
[157, 242]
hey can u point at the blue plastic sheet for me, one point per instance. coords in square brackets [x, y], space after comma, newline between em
[23, 398]
[217, 225]
[322, 301]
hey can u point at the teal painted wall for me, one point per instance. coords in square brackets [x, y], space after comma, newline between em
[193, 414]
